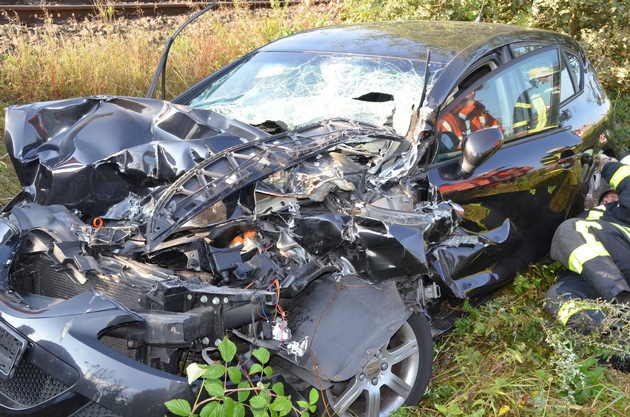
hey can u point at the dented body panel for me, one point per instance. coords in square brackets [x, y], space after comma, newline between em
[142, 144]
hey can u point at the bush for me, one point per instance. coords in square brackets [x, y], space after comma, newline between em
[230, 389]
[601, 26]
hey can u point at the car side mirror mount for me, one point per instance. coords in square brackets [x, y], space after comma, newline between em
[477, 148]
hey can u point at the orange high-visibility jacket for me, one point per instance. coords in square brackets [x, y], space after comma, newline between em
[468, 119]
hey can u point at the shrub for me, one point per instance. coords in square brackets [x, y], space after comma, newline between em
[601, 26]
[230, 389]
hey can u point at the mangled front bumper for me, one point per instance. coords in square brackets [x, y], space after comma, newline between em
[52, 362]
[66, 370]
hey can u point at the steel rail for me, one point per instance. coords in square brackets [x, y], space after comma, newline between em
[83, 9]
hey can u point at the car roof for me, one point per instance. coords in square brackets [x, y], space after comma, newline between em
[411, 39]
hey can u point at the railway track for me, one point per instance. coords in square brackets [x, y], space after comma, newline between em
[11, 11]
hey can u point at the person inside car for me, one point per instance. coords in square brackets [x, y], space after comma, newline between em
[594, 247]
[531, 107]
[466, 117]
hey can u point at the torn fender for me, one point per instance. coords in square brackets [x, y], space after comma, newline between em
[376, 250]
[346, 321]
[470, 264]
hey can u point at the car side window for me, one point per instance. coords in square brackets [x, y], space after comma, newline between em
[575, 66]
[571, 76]
[521, 99]
[537, 106]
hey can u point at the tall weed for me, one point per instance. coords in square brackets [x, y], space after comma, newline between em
[508, 358]
[120, 59]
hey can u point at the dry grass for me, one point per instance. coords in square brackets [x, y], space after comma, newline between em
[119, 57]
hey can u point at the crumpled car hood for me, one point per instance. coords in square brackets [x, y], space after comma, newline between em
[158, 164]
[88, 153]
[153, 177]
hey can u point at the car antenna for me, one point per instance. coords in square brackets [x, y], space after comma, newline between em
[161, 67]
[426, 78]
[478, 19]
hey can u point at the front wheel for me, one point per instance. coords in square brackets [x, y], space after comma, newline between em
[396, 375]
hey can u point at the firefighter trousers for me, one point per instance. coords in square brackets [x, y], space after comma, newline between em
[597, 250]
[562, 301]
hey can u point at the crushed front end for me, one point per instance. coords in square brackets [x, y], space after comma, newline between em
[202, 229]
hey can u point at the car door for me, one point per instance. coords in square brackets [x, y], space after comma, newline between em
[527, 188]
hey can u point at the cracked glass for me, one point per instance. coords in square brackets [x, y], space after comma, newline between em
[291, 90]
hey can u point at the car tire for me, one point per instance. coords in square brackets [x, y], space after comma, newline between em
[397, 375]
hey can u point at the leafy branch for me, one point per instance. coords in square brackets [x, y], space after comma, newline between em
[219, 380]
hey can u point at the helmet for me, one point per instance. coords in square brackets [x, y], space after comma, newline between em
[602, 193]
[598, 190]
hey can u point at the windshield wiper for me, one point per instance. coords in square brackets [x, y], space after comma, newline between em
[161, 67]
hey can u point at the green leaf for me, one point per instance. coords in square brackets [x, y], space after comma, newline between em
[228, 407]
[179, 407]
[234, 374]
[239, 410]
[268, 371]
[302, 404]
[265, 395]
[243, 393]
[262, 355]
[256, 368]
[214, 372]
[214, 388]
[195, 371]
[313, 396]
[278, 388]
[260, 413]
[258, 403]
[212, 409]
[227, 349]
[441, 409]
[305, 414]
[282, 405]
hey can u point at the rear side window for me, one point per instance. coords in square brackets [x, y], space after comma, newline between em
[522, 99]
[571, 78]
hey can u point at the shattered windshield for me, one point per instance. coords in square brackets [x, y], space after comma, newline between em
[291, 90]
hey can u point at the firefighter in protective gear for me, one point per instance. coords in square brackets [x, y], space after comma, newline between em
[532, 106]
[468, 116]
[595, 247]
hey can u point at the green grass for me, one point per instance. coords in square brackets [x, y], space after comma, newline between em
[9, 185]
[506, 358]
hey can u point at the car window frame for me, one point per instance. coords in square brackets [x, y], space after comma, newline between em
[578, 85]
[493, 60]
[503, 67]
[185, 97]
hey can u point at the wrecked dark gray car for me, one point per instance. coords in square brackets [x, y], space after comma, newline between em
[306, 198]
